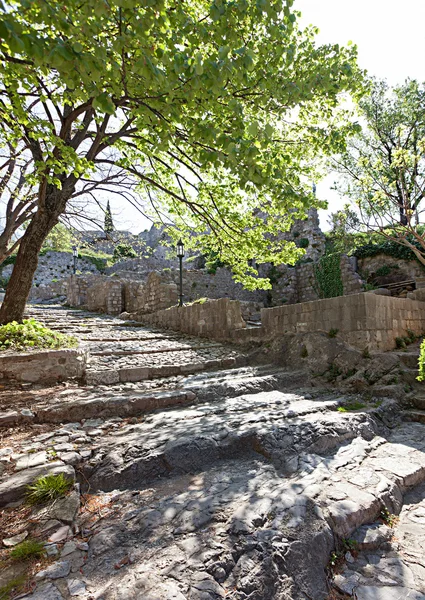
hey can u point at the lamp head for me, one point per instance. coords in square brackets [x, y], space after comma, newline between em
[180, 248]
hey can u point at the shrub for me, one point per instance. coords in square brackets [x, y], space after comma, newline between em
[332, 332]
[400, 343]
[303, 243]
[421, 376]
[32, 334]
[304, 352]
[47, 488]
[383, 271]
[27, 549]
[123, 251]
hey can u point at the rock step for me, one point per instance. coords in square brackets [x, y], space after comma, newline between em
[418, 402]
[409, 359]
[123, 403]
[181, 348]
[417, 416]
[141, 373]
[409, 375]
[185, 440]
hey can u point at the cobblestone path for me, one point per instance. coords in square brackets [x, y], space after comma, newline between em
[212, 479]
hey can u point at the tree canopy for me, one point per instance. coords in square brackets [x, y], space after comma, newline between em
[383, 167]
[218, 110]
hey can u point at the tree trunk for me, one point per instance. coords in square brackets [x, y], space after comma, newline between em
[18, 289]
[19, 286]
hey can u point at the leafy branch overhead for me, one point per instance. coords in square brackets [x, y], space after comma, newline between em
[216, 109]
[383, 167]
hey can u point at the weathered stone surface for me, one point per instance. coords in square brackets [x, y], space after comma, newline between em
[45, 366]
[55, 571]
[387, 593]
[45, 592]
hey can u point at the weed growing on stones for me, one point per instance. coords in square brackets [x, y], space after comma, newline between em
[27, 549]
[332, 333]
[11, 588]
[48, 488]
[351, 406]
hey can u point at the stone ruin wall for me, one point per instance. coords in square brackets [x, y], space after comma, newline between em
[298, 284]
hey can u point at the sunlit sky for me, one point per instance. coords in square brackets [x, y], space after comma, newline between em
[390, 37]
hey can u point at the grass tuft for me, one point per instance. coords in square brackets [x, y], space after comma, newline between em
[27, 549]
[47, 488]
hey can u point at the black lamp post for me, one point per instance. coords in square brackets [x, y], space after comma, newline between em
[180, 254]
[75, 254]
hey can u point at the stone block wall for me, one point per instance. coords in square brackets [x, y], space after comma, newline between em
[306, 281]
[45, 366]
[362, 320]
[217, 319]
[155, 294]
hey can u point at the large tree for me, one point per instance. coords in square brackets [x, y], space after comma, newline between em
[216, 108]
[383, 167]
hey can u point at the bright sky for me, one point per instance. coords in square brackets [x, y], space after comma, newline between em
[390, 37]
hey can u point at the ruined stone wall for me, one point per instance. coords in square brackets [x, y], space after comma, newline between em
[362, 320]
[298, 284]
[217, 319]
[54, 266]
[96, 293]
[155, 294]
[407, 269]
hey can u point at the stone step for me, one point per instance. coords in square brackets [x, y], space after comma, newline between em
[274, 425]
[409, 375]
[108, 376]
[417, 416]
[418, 402]
[409, 359]
[77, 405]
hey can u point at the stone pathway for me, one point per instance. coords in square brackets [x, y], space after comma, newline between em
[239, 486]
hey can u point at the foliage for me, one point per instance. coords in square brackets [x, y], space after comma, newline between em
[304, 352]
[328, 277]
[388, 518]
[213, 262]
[303, 243]
[383, 271]
[343, 224]
[123, 251]
[60, 239]
[47, 488]
[421, 364]
[333, 332]
[27, 549]
[388, 247]
[109, 224]
[32, 334]
[353, 405]
[384, 165]
[157, 90]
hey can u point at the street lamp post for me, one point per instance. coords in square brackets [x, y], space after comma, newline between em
[180, 254]
[75, 254]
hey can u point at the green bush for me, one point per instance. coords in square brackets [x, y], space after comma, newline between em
[421, 376]
[32, 334]
[303, 243]
[47, 488]
[123, 251]
[333, 332]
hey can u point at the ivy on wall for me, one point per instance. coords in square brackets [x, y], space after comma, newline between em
[389, 248]
[327, 273]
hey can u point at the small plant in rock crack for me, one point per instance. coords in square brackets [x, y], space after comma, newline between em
[388, 518]
[349, 545]
[48, 488]
[333, 333]
[304, 352]
[353, 405]
[27, 549]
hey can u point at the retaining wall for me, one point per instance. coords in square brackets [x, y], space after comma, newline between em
[362, 320]
[217, 319]
[45, 366]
